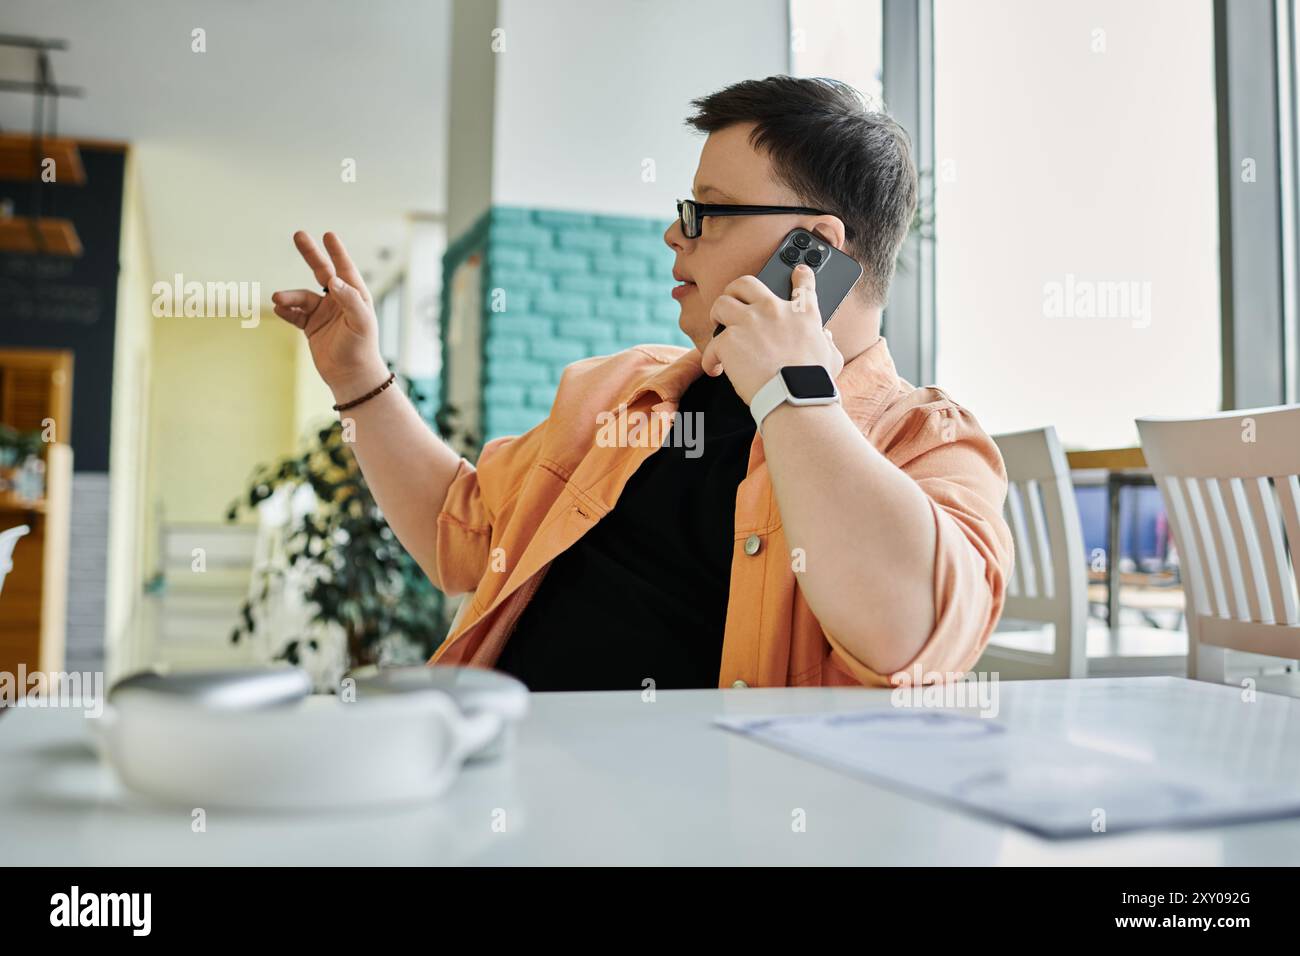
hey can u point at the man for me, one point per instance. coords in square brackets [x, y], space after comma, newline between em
[840, 544]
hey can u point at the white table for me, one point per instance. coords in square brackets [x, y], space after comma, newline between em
[607, 778]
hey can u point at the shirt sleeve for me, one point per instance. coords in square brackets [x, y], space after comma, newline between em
[464, 534]
[472, 509]
[958, 466]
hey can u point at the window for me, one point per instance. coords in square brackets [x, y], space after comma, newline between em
[840, 39]
[1076, 213]
[388, 311]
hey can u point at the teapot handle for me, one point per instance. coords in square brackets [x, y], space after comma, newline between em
[476, 730]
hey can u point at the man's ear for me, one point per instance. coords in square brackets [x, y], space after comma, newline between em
[830, 230]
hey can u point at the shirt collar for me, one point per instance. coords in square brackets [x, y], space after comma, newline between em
[872, 366]
[671, 381]
[867, 381]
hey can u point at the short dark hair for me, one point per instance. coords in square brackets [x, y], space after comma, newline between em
[835, 153]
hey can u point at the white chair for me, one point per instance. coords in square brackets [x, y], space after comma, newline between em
[1230, 489]
[8, 540]
[1049, 580]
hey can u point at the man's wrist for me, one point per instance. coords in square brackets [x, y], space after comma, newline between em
[793, 385]
[357, 383]
[798, 415]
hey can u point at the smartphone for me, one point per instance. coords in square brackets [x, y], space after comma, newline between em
[836, 272]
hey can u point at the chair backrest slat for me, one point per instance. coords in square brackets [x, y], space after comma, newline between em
[1231, 491]
[1049, 580]
[1039, 525]
[1277, 594]
[1259, 606]
[1182, 525]
[1024, 567]
[1230, 560]
[1207, 541]
[1288, 500]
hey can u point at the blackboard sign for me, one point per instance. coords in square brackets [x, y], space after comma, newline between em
[71, 303]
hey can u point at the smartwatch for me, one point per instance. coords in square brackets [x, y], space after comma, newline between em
[797, 385]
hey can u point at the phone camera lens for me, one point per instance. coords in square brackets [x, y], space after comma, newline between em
[790, 255]
[814, 258]
[802, 240]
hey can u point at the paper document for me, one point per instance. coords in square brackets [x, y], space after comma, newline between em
[1039, 782]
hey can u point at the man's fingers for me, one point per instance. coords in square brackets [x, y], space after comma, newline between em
[747, 289]
[303, 299]
[355, 309]
[311, 253]
[295, 317]
[722, 311]
[726, 309]
[803, 289]
[803, 277]
[347, 271]
[709, 358]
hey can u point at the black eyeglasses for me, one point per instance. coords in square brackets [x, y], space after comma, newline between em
[691, 214]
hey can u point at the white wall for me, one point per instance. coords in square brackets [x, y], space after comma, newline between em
[587, 90]
[421, 348]
[244, 143]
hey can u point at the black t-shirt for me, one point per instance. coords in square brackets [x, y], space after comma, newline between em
[643, 594]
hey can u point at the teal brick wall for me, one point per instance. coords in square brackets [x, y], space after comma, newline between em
[561, 286]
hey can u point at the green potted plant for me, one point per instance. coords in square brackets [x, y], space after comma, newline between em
[16, 449]
[361, 578]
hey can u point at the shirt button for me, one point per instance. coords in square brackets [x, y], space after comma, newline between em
[738, 684]
[752, 544]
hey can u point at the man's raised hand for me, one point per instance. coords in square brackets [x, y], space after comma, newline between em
[340, 325]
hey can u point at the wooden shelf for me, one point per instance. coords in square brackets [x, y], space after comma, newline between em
[36, 392]
[21, 159]
[56, 237]
[10, 503]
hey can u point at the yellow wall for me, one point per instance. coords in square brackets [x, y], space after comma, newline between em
[225, 399]
[312, 399]
[198, 404]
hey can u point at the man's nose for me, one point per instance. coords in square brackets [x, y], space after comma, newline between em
[674, 238]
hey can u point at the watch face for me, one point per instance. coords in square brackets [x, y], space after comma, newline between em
[808, 381]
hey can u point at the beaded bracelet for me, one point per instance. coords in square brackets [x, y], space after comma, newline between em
[392, 376]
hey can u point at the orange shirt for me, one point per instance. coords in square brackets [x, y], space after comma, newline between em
[532, 496]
